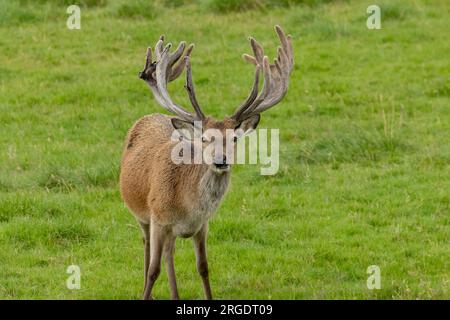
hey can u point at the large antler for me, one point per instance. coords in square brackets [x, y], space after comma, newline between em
[168, 67]
[276, 77]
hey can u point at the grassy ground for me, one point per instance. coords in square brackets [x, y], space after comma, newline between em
[365, 150]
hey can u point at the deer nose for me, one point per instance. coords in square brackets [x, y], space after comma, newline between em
[220, 160]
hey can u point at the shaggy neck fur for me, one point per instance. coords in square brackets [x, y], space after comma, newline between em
[211, 188]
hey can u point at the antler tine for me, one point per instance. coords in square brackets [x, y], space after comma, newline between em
[162, 68]
[276, 76]
[190, 89]
[286, 43]
[265, 90]
[178, 69]
[257, 50]
[252, 96]
[159, 48]
[167, 68]
[254, 99]
[174, 57]
[284, 65]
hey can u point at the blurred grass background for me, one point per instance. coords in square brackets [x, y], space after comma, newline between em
[364, 138]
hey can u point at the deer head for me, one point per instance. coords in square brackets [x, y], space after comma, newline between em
[169, 66]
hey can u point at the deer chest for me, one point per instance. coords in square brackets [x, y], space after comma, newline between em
[211, 189]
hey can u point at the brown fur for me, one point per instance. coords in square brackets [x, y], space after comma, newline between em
[152, 186]
[169, 199]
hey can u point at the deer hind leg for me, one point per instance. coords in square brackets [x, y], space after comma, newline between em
[169, 250]
[157, 238]
[146, 239]
[202, 262]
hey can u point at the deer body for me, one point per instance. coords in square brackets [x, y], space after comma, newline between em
[182, 197]
[173, 199]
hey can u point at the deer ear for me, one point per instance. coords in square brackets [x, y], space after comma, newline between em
[247, 126]
[185, 128]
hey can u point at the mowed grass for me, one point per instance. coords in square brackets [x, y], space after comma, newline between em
[364, 150]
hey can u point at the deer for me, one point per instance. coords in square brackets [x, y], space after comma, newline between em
[169, 199]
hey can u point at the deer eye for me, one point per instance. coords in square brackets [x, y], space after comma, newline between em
[234, 139]
[203, 139]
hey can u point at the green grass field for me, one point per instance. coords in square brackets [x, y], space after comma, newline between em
[364, 173]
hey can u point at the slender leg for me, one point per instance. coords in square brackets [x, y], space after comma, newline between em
[146, 237]
[202, 262]
[157, 238]
[169, 250]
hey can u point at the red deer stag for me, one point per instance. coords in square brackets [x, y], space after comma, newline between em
[177, 199]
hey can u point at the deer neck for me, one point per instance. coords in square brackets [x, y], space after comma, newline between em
[211, 189]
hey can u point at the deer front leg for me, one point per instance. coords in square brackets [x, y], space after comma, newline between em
[146, 237]
[157, 238]
[202, 262]
[169, 250]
